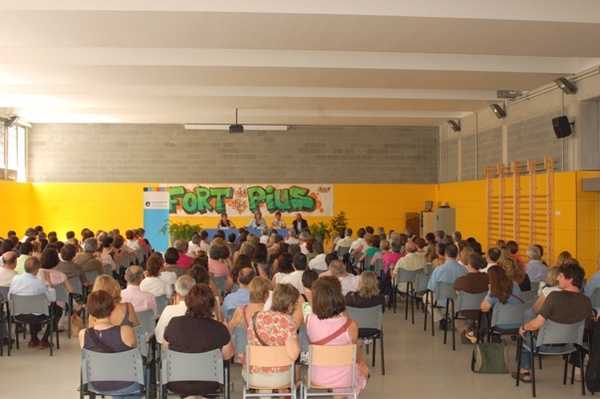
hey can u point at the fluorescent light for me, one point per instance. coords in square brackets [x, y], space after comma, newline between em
[278, 128]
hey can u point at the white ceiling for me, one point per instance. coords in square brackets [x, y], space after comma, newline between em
[337, 62]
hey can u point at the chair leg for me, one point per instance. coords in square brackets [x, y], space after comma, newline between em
[426, 315]
[532, 364]
[374, 351]
[383, 359]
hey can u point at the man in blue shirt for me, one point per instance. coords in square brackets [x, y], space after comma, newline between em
[446, 273]
[27, 284]
[535, 268]
[241, 296]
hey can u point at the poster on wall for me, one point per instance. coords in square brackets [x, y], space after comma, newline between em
[156, 215]
[244, 200]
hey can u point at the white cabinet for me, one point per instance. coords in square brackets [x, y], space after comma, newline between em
[445, 219]
[427, 224]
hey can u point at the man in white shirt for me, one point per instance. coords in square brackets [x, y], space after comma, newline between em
[358, 244]
[182, 287]
[318, 262]
[345, 242]
[295, 278]
[27, 284]
[7, 271]
[349, 281]
[492, 256]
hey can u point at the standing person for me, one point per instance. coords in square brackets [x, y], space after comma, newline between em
[566, 306]
[257, 222]
[225, 223]
[299, 223]
[105, 337]
[197, 332]
[329, 316]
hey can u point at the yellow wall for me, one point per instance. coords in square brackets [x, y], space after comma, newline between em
[73, 206]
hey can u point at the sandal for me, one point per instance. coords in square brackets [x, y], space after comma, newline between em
[521, 376]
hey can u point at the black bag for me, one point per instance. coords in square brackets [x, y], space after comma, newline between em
[490, 358]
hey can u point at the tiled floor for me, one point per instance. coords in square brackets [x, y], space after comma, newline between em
[417, 366]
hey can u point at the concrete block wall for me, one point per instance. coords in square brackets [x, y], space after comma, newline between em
[526, 133]
[171, 154]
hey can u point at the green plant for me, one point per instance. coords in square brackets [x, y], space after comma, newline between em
[321, 230]
[338, 223]
[180, 231]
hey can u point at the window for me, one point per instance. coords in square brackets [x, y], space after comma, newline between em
[12, 153]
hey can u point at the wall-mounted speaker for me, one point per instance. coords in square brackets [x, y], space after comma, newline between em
[562, 127]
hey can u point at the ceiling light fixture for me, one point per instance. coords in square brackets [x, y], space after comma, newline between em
[498, 111]
[454, 125]
[566, 85]
[265, 128]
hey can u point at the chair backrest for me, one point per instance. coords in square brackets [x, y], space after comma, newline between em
[178, 366]
[62, 295]
[367, 317]
[509, 313]
[29, 304]
[161, 303]
[118, 366]
[535, 286]
[303, 338]
[445, 291]
[239, 337]
[468, 301]
[557, 333]
[342, 251]
[107, 270]
[333, 356]
[528, 296]
[76, 284]
[147, 321]
[367, 264]
[378, 267]
[405, 276]
[4, 293]
[428, 268]
[266, 356]
[221, 283]
[229, 314]
[595, 298]
[421, 282]
[93, 275]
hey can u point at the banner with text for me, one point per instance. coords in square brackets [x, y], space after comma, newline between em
[244, 200]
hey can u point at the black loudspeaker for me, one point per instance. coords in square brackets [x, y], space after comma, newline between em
[562, 127]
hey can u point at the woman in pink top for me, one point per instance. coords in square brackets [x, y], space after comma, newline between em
[215, 265]
[329, 315]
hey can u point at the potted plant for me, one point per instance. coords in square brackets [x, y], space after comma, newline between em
[338, 223]
[320, 231]
[180, 231]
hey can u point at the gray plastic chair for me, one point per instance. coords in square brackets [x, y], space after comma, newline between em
[93, 275]
[507, 314]
[221, 283]
[32, 304]
[595, 298]
[371, 319]
[551, 333]
[342, 251]
[239, 337]
[161, 303]
[528, 296]
[409, 277]
[467, 301]
[119, 366]
[443, 292]
[178, 366]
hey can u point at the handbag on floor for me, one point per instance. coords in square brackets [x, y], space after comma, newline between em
[490, 358]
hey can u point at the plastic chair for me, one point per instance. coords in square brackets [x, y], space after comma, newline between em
[342, 251]
[221, 283]
[119, 366]
[93, 275]
[409, 277]
[239, 337]
[468, 302]
[4, 316]
[161, 303]
[571, 335]
[420, 288]
[62, 295]
[529, 296]
[444, 299]
[330, 356]
[595, 298]
[268, 356]
[507, 314]
[370, 326]
[178, 366]
[28, 305]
